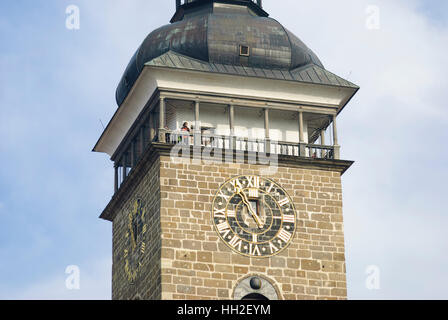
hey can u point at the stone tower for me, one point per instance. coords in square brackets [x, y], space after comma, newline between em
[227, 162]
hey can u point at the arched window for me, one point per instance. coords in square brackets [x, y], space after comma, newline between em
[255, 287]
[254, 296]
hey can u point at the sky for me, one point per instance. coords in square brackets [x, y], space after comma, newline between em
[57, 90]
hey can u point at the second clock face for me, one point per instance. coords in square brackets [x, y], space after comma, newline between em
[136, 241]
[254, 216]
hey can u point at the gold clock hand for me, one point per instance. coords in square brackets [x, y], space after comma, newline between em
[249, 207]
[131, 229]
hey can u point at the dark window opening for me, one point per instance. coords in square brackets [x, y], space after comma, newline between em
[244, 51]
[254, 296]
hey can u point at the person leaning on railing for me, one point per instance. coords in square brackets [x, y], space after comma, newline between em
[185, 128]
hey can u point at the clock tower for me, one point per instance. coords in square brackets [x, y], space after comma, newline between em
[227, 162]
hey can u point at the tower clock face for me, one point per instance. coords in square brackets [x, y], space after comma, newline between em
[254, 216]
[135, 241]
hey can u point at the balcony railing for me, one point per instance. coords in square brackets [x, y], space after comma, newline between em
[132, 155]
[250, 145]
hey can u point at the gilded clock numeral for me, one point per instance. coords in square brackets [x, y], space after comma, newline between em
[254, 250]
[231, 213]
[222, 195]
[283, 202]
[268, 190]
[284, 235]
[220, 213]
[253, 193]
[236, 242]
[254, 237]
[236, 183]
[273, 248]
[289, 218]
[253, 182]
[223, 227]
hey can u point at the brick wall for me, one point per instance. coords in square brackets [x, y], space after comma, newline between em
[148, 286]
[185, 259]
[197, 265]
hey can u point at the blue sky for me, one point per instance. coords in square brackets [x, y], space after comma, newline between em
[57, 84]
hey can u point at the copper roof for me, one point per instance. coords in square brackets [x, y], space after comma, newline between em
[212, 32]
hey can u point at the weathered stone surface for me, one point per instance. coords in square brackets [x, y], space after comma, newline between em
[185, 259]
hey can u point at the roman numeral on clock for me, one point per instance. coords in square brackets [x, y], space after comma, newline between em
[231, 213]
[236, 183]
[289, 218]
[254, 237]
[253, 193]
[282, 202]
[273, 248]
[268, 190]
[253, 182]
[254, 250]
[220, 213]
[284, 235]
[222, 227]
[222, 195]
[236, 242]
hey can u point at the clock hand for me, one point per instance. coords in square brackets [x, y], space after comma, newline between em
[134, 244]
[249, 207]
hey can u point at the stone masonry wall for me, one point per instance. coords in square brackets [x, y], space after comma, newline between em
[148, 284]
[196, 264]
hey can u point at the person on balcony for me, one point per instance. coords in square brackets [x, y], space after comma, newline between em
[185, 127]
[185, 138]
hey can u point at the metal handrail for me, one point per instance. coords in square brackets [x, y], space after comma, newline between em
[285, 148]
[251, 145]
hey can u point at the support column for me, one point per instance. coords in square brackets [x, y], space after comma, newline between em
[197, 125]
[116, 178]
[267, 146]
[337, 147]
[302, 146]
[133, 157]
[152, 132]
[123, 160]
[142, 141]
[323, 152]
[232, 127]
[162, 130]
